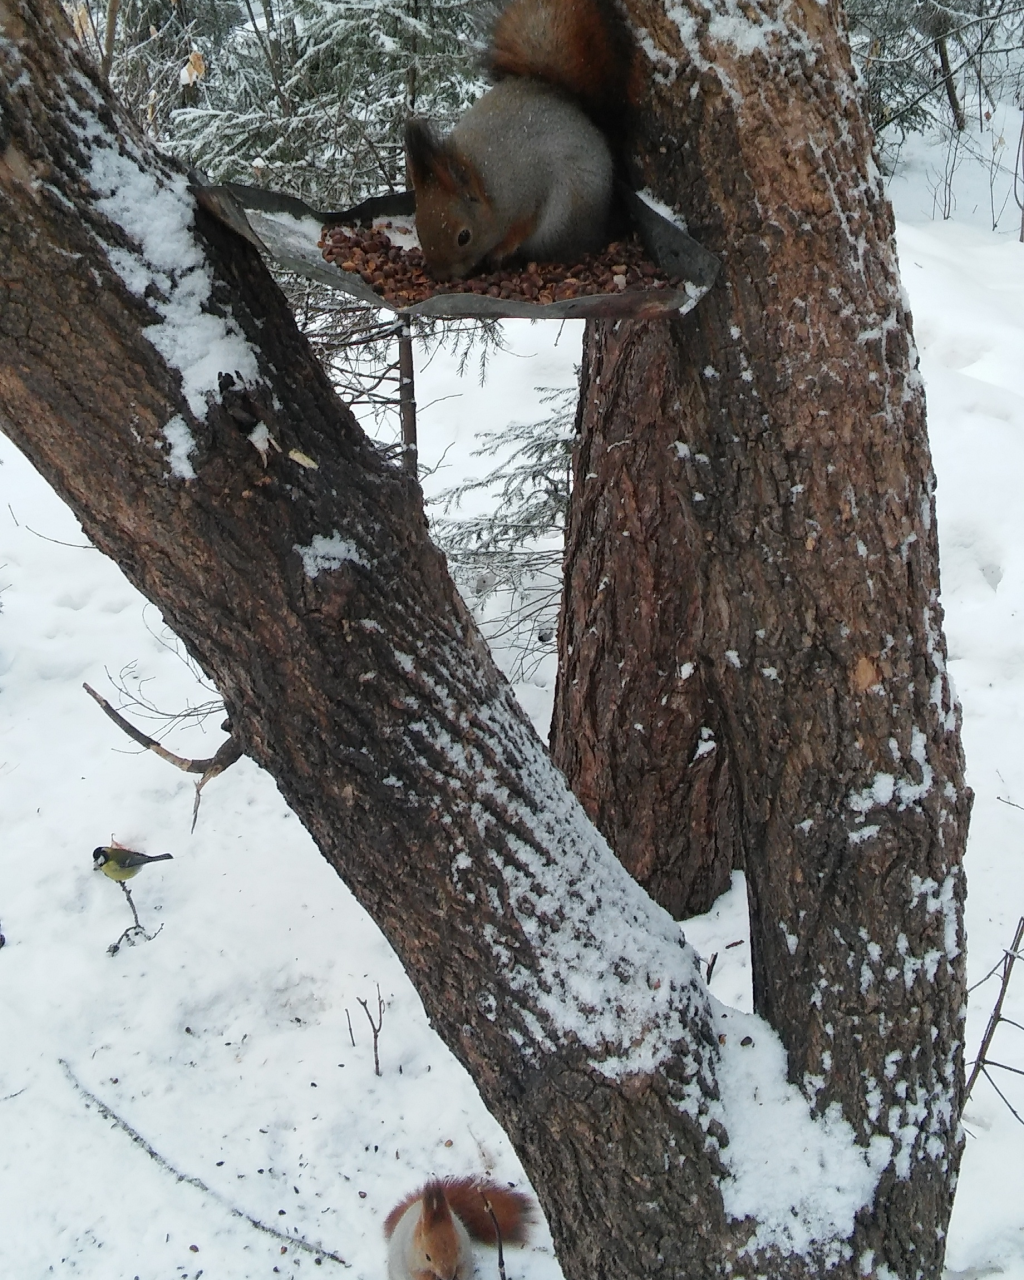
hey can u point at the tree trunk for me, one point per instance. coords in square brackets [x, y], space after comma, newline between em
[752, 664]
[146, 363]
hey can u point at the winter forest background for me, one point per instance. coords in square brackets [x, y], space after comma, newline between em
[207, 1043]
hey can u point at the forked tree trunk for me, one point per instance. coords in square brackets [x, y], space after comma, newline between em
[752, 664]
[145, 367]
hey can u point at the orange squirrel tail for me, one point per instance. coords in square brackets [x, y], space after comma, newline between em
[578, 45]
[468, 1198]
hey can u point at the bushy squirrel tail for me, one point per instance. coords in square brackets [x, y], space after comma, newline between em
[468, 1199]
[580, 46]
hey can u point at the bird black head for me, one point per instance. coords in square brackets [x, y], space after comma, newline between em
[99, 856]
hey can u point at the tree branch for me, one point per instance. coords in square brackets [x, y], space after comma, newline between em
[227, 753]
[151, 744]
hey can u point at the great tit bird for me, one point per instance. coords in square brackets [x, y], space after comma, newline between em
[121, 864]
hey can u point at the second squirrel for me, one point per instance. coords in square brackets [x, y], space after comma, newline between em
[526, 172]
[429, 1232]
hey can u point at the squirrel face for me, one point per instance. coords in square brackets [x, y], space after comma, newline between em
[453, 214]
[436, 1252]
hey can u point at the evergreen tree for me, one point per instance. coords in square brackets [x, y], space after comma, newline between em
[508, 561]
[310, 96]
[929, 61]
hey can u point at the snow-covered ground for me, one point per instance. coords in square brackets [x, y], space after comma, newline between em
[225, 1045]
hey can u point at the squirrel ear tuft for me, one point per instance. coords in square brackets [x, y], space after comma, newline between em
[435, 1205]
[423, 151]
[433, 160]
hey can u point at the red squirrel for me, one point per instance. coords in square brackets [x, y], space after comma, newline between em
[526, 171]
[429, 1232]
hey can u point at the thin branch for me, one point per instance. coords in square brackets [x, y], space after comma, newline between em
[497, 1235]
[140, 1141]
[95, 32]
[374, 1026]
[108, 44]
[1003, 1067]
[995, 969]
[1009, 959]
[947, 77]
[144, 740]
[78, 546]
[271, 64]
[128, 895]
[227, 753]
[1003, 1096]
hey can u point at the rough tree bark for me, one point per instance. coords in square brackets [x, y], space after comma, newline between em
[752, 664]
[146, 359]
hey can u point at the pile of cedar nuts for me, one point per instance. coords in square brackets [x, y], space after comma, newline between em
[400, 275]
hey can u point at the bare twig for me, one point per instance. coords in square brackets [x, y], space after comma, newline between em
[144, 740]
[130, 934]
[1002, 1095]
[497, 1235]
[711, 967]
[980, 1062]
[78, 546]
[128, 895]
[351, 1033]
[227, 753]
[947, 77]
[1011, 803]
[1003, 1067]
[1018, 166]
[198, 1183]
[271, 64]
[995, 969]
[108, 43]
[374, 1026]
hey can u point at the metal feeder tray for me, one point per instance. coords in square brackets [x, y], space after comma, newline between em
[287, 230]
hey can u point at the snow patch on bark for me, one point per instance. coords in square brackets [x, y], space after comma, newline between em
[879, 793]
[168, 268]
[886, 787]
[182, 445]
[940, 898]
[727, 24]
[942, 693]
[326, 554]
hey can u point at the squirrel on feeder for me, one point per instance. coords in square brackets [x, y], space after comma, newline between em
[527, 171]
